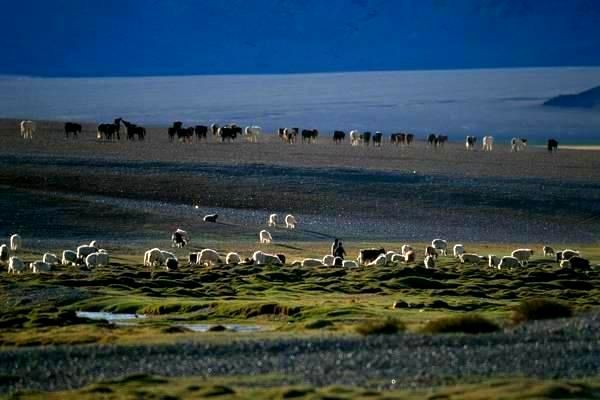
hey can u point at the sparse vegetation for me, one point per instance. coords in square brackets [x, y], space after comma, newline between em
[472, 324]
[387, 326]
[537, 309]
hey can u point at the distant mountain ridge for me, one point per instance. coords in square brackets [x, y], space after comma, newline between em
[586, 99]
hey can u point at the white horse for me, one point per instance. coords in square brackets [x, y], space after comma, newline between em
[517, 144]
[355, 138]
[27, 129]
[488, 143]
[252, 132]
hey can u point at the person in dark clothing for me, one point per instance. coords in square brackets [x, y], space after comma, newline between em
[334, 246]
[339, 251]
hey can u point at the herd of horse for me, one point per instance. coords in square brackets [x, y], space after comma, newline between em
[119, 126]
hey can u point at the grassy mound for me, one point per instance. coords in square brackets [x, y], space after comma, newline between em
[472, 324]
[380, 327]
[538, 309]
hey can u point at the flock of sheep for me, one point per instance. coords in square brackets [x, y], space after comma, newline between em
[87, 254]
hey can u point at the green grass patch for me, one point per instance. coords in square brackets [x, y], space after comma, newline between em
[472, 324]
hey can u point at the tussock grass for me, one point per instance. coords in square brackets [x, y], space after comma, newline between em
[538, 309]
[470, 323]
[387, 326]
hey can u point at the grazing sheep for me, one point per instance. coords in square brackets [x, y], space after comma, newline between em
[166, 254]
[366, 256]
[457, 250]
[233, 259]
[380, 261]
[565, 264]
[522, 255]
[272, 220]
[179, 238]
[152, 257]
[193, 258]
[410, 257]
[548, 251]
[16, 242]
[397, 258]
[493, 261]
[261, 258]
[15, 265]
[440, 245]
[282, 258]
[211, 218]
[469, 258]
[102, 258]
[4, 254]
[98, 260]
[429, 262]
[290, 221]
[39, 266]
[69, 257]
[84, 250]
[389, 255]
[209, 257]
[349, 264]
[406, 248]
[566, 254]
[328, 260]
[50, 258]
[577, 262]
[171, 264]
[509, 262]
[94, 243]
[265, 237]
[312, 262]
[338, 261]
[430, 251]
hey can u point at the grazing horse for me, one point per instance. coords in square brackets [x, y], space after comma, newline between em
[432, 140]
[552, 145]
[107, 131]
[366, 138]
[172, 130]
[517, 144]
[470, 142]
[377, 139]
[441, 140]
[185, 135]
[488, 143]
[229, 132]
[201, 131]
[309, 135]
[398, 138]
[214, 128]
[27, 129]
[339, 136]
[409, 138]
[71, 127]
[290, 134]
[133, 130]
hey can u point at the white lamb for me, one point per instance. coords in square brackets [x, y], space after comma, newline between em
[457, 250]
[380, 261]
[152, 257]
[290, 221]
[265, 237]
[261, 258]
[50, 258]
[509, 262]
[39, 266]
[440, 245]
[312, 262]
[15, 265]
[272, 220]
[69, 257]
[209, 257]
[232, 258]
[16, 242]
[329, 260]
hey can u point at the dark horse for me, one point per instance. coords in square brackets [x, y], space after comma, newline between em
[109, 131]
[71, 127]
[134, 130]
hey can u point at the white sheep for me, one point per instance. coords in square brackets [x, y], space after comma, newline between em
[389, 255]
[397, 258]
[261, 258]
[440, 245]
[50, 258]
[102, 258]
[39, 266]
[350, 264]
[69, 257]
[329, 260]
[290, 221]
[16, 242]
[493, 261]
[166, 254]
[410, 256]
[312, 262]
[152, 257]
[15, 265]
[84, 250]
[469, 258]
[93, 243]
[406, 248]
[4, 254]
[548, 251]
[509, 262]
[272, 220]
[209, 257]
[232, 258]
[457, 250]
[563, 264]
[568, 253]
[380, 261]
[522, 255]
[429, 262]
[265, 237]
[338, 261]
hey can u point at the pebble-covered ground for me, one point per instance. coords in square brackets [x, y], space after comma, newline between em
[555, 349]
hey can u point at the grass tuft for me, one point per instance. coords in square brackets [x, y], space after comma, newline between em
[380, 327]
[538, 309]
[472, 324]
